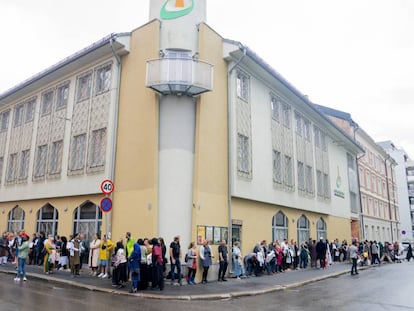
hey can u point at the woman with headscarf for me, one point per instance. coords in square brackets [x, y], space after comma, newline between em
[157, 265]
[134, 267]
[94, 247]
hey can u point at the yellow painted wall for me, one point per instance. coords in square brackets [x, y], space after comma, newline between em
[210, 174]
[257, 222]
[135, 195]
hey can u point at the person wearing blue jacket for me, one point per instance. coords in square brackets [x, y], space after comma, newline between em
[134, 267]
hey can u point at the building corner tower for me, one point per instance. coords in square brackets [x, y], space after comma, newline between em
[179, 77]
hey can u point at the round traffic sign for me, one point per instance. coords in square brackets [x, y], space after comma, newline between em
[106, 204]
[107, 186]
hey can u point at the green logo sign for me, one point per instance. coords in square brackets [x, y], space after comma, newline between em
[176, 8]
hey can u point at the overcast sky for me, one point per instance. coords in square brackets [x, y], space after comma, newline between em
[353, 55]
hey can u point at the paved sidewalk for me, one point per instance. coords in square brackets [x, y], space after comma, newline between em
[213, 290]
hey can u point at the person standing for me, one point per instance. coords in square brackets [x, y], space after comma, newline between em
[73, 247]
[205, 257]
[22, 257]
[104, 253]
[222, 251]
[175, 256]
[157, 265]
[237, 261]
[4, 246]
[84, 250]
[409, 252]
[353, 254]
[321, 253]
[50, 256]
[119, 274]
[191, 263]
[134, 267]
[374, 253]
[94, 247]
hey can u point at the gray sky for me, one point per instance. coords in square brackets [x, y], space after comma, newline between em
[352, 55]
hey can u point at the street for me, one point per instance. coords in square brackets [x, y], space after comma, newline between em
[386, 287]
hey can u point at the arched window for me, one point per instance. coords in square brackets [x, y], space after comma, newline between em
[321, 229]
[279, 227]
[303, 229]
[87, 219]
[47, 220]
[15, 219]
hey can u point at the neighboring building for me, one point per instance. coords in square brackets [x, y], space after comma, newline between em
[379, 212]
[249, 158]
[405, 184]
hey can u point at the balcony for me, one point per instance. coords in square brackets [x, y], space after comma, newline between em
[179, 76]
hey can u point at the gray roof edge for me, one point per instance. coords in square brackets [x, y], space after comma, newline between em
[62, 63]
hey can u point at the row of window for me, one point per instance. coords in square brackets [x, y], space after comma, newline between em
[283, 165]
[48, 158]
[57, 97]
[376, 208]
[280, 228]
[87, 218]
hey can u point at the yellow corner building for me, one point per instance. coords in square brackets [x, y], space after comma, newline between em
[200, 137]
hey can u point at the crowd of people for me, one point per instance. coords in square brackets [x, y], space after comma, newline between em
[143, 262]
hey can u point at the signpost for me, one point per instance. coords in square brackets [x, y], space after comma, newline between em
[107, 187]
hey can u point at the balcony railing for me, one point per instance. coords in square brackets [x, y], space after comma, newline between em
[180, 76]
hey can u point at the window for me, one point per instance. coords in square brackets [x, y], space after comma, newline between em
[1, 168]
[55, 161]
[323, 142]
[243, 153]
[279, 227]
[41, 158]
[30, 109]
[18, 115]
[47, 101]
[275, 105]
[77, 155]
[319, 184]
[16, 219]
[87, 218]
[4, 121]
[301, 176]
[103, 79]
[47, 220]
[307, 130]
[12, 168]
[321, 229]
[277, 167]
[368, 180]
[84, 87]
[242, 86]
[309, 179]
[62, 96]
[298, 120]
[286, 115]
[97, 148]
[316, 132]
[303, 229]
[24, 164]
[326, 186]
[288, 171]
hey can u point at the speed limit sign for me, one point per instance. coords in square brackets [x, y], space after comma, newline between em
[107, 186]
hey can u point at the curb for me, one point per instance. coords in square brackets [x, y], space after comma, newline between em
[221, 296]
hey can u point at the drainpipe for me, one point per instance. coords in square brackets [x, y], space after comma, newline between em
[115, 125]
[361, 212]
[230, 148]
[388, 197]
[393, 200]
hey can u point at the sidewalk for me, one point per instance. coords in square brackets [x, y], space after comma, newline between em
[213, 290]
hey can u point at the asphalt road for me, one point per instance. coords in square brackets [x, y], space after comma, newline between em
[388, 287]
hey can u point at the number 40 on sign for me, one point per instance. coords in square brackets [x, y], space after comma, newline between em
[107, 186]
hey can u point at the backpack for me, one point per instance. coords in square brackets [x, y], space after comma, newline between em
[186, 257]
